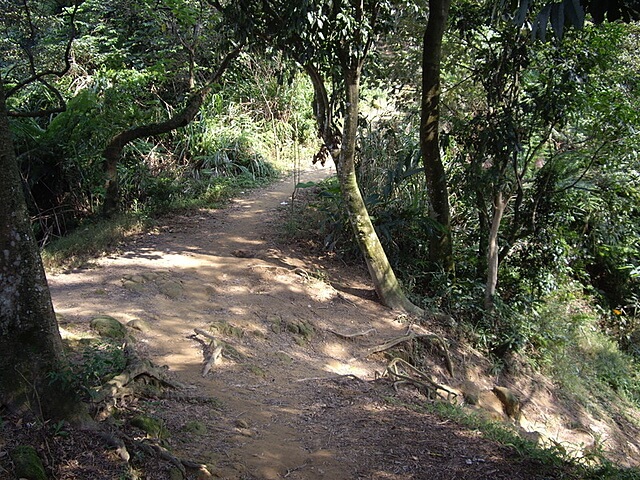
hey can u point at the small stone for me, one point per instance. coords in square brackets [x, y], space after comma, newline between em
[243, 253]
[509, 400]
[107, 326]
[140, 325]
[240, 423]
[171, 289]
[133, 286]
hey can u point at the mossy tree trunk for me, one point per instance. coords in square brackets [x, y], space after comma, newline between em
[30, 343]
[440, 245]
[384, 279]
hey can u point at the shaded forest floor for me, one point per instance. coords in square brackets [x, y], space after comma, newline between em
[291, 397]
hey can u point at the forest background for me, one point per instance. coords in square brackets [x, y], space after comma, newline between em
[505, 194]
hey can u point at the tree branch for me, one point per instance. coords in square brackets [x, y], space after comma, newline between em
[40, 76]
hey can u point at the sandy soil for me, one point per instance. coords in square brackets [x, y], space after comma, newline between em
[292, 399]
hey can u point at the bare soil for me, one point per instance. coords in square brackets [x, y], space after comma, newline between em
[289, 398]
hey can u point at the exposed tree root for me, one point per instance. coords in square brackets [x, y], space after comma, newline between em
[123, 385]
[300, 271]
[123, 443]
[424, 337]
[401, 372]
[349, 336]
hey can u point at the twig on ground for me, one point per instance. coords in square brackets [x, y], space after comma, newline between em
[333, 377]
[214, 351]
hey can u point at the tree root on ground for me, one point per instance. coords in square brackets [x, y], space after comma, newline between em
[123, 443]
[105, 399]
[332, 378]
[349, 336]
[423, 337]
[401, 372]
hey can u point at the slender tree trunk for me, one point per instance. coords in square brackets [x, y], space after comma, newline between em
[322, 111]
[30, 343]
[493, 249]
[440, 246]
[384, 279]
[113, 150]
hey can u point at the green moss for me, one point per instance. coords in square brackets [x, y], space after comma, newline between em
[301, 328]
[107, 326]
[152, 426]
[225, 328]
[27, 463]
[196, 427]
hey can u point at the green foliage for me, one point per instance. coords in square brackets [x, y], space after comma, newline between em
[567, 341]
[100, 361]
[90, 240]
[537, 126]
[91, 363]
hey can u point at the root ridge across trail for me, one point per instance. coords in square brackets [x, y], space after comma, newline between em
[292, 398]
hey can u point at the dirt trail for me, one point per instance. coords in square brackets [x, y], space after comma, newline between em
[290, 405]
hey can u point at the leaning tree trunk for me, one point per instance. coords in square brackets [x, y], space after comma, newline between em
[384, 279]
[440, 245]
[113, 150]
[30, 344]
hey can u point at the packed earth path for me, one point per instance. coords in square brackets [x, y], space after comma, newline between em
[292, 396]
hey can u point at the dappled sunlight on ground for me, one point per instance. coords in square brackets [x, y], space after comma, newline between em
[293, 400]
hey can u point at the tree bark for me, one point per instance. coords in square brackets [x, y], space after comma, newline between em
[113, 150]
[493, 250]
[384, 279]
[440, 246]
[329, 134]
[30, 343]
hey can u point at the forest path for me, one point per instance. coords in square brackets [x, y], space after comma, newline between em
[288, 403]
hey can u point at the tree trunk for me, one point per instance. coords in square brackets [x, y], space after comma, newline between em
[384, 279]
[493, 250]
[30, 343]
[113, 150]
[440, 246]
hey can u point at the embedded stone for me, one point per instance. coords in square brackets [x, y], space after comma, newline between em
[107, 326]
